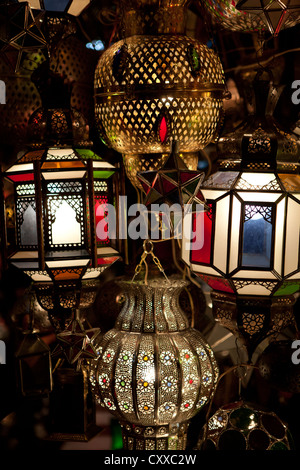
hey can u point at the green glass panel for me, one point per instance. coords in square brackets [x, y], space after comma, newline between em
[279, 446]
[244, 419]
[103, 174]
[87, 154]
[287, 289]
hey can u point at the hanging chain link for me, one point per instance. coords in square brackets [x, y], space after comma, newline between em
[155, 259]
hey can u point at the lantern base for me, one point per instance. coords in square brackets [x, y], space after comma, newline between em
[164, 437]
[253, 318]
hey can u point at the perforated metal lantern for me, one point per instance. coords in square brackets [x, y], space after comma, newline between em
[249, 244]
[153, 372]
[59, 186]
[244, 426]
[156, 85]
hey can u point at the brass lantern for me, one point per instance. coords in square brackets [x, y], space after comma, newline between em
[59, 185]
[248, 250]
[157, 85]
[153, 371]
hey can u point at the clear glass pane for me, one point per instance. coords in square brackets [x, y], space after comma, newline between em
[257, 236]
[28, 230]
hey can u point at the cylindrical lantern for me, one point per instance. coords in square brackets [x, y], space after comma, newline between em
[243, 426]
[248, 239]
[157, 84]
[153, 372]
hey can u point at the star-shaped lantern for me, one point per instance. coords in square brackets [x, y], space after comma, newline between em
[274, 13]
[22, 34]
[75, 343]
[174, 183]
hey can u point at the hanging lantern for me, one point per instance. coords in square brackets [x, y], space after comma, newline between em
[234, 17]
[72, 409]
[21, 32]
[157, 85]
[275, 14]
[135, 164]
[248, 252]
[34, 366]
[61, 186]
[242, 426]
[154, 372]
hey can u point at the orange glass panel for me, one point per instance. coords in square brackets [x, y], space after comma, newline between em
[65, 164]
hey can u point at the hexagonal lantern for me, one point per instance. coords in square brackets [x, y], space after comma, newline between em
[249, 251]
[59, 185]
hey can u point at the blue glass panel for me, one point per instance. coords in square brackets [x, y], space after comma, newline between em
[257, 237]
[56, 5]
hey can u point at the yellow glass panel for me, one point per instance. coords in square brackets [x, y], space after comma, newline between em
[290, 182]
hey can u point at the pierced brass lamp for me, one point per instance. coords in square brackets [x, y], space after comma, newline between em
[157, 85]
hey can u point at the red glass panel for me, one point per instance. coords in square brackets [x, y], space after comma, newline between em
[107, 260]
[204, 222]
[187, 176]
[220, 285]
[167, 185]
[163, 129]
[99, 201]
[17, 178]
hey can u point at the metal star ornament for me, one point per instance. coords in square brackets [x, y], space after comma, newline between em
[274, 13]
[20, 32]
[174, 183]
[75, 343]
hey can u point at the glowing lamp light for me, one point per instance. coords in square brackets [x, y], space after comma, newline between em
[59, 184]
[249, 252]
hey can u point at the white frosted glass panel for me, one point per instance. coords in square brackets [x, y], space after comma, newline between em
[235, 234]
[253, 289]
[102, 165]
[77, 7]
[106, 251]
[221, 234]
[254, 274]
[255, 179]
[60, 175]
[258, 197]
[204, 269]
[40, 278]
[70, 263]
[279, 227]
[20, 168]
[212, 194]
[60, 152]
[294, 276]
[25, 255]
[65, 229]
[292, 237]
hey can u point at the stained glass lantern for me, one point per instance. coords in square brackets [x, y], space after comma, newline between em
[157, 84]
[61, 189]
[73, 7]
[235, 17]
[243, 426]
[248, 250]
[275, 14]
[153, 371]
[21, 32]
